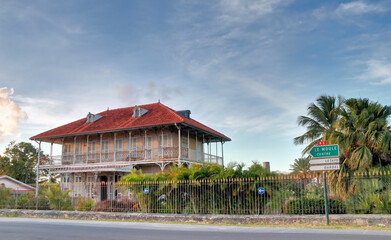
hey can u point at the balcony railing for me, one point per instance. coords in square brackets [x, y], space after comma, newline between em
[146, 155]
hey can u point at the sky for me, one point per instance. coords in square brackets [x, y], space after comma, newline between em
[245, 68]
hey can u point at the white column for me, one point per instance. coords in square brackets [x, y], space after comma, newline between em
[188, 144]
[51, 153]
[161, 145]
[179, 146]
[216, 153]
[222, 153]
[74, 150]
[196, 148]
[145, 144]
[203, 148]
[88, 136]
[51, 161]
[115, 146]
[62, 150]
[38, 162]
[100, 146]
[130, 146]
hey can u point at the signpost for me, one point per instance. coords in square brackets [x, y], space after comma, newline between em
[324, 151]
[324, 158]
[325, 167]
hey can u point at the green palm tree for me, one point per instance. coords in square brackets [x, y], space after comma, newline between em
[301, 167]
[321, 122]
[364, 134]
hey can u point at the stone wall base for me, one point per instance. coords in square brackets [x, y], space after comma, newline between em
[359, 219]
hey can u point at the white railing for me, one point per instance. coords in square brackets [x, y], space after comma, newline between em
[147, 155]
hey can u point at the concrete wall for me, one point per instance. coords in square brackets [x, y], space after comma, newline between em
[363, 220]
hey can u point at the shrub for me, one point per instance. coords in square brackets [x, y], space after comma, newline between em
[4, 197]
[58, 200]
[313, 206]
[28, 201]
[120, 205]
[85, 205]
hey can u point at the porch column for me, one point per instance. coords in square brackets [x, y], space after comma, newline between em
[161, 145]
[51, 160]
[188, 144]
[100, 146]
[222, 153]
[196, 149]
[145, 144]
[130, 146]
[115, 146]
[179, 146]
[203, 148]
[74, 150]
[62, 150]
[88, 136]
[210, 150]
[216, 152]
[37, 177]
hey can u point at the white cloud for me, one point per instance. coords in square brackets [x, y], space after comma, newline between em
[359, 7]
[237, 11]
[378, 71]
[130, 95]
[10, 113]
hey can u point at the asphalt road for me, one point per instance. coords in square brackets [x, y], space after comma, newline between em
[42, 229]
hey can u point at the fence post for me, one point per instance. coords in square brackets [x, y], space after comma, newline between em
[326, 204]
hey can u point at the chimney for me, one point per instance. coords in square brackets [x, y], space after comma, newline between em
[184, 113]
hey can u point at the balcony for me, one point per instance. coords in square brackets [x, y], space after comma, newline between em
[166, 154]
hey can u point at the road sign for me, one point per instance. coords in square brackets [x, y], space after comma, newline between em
[324, 151]
[261, 190]
[325, 167]
[324, 160]
[321, 143]
[146, 190]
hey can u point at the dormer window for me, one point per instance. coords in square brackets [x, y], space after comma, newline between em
[138, 112]
[92, 117]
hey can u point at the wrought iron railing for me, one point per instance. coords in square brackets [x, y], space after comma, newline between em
[364, 193]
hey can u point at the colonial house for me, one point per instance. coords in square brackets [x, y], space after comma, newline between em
[15, 187]
[103, 147]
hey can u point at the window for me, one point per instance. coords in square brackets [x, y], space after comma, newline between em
[105, 146]
[67, 153]
[67, 149]
[89, 187]
[133, 147]
[163, 145]
[119, 145]
[185, 142]
[77, 186]
[91, 150]
[105, 150]
[119, 155]
[65, 182]
[79, 152]
[147, 147]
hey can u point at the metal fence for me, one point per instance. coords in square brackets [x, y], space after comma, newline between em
[356, 193]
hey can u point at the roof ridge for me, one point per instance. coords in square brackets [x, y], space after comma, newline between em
[172, 111]
[128, 107]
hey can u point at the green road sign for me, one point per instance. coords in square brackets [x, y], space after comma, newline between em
[325, 151]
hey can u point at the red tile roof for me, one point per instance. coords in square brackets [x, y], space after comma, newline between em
[121, 119]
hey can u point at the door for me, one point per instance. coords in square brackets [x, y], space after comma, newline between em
[103, 188]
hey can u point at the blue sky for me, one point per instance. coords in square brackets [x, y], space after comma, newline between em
[246, 68]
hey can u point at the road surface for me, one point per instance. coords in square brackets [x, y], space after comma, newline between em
[42, 229]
